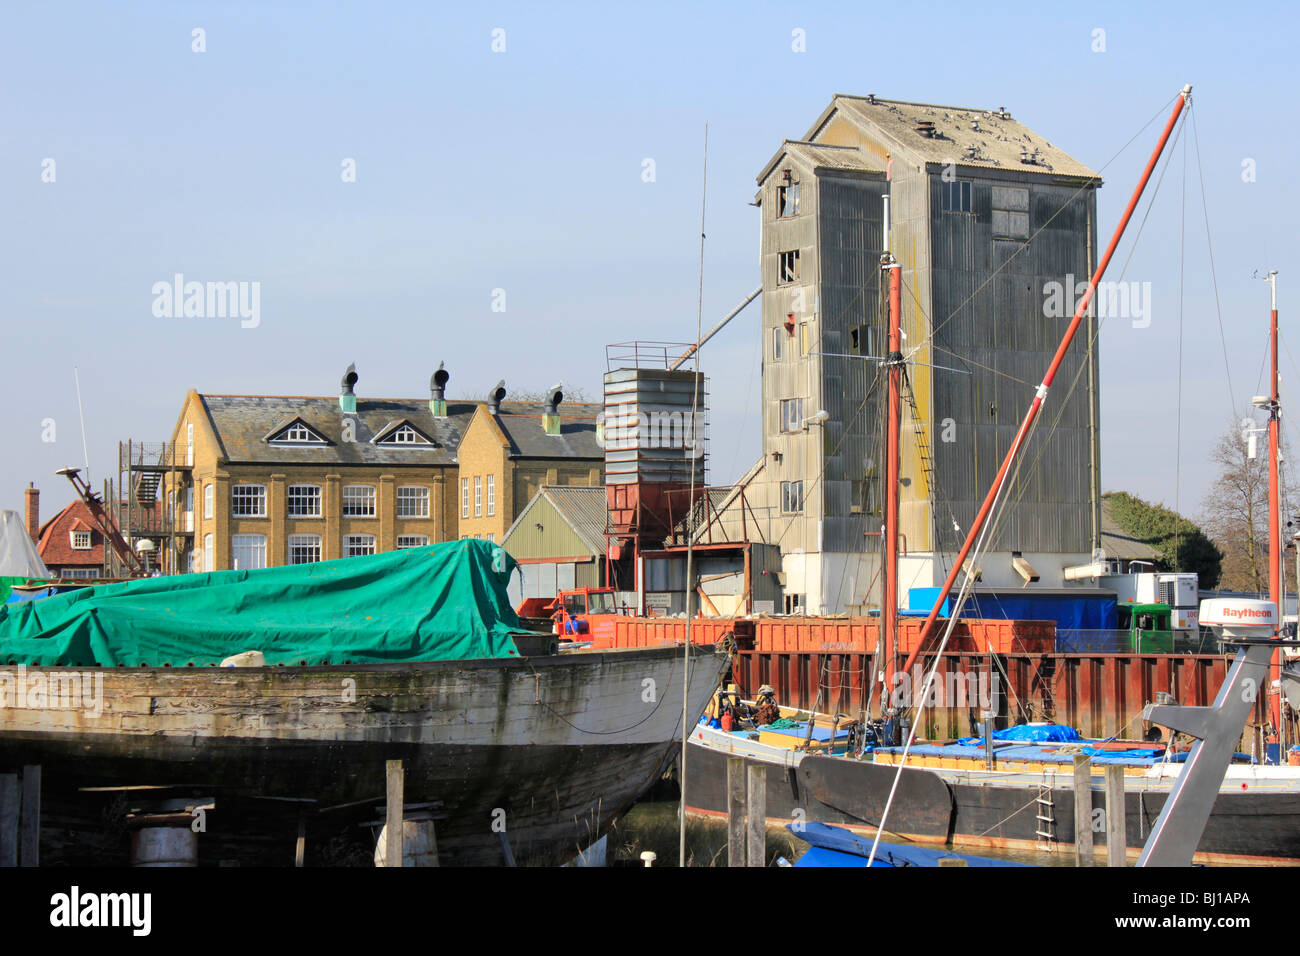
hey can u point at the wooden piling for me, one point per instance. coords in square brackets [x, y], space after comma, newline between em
[29, 822]
[300, 849]
[393, 816]
[1082, 810]
[735, 812]
[8, 819]
[756, 815]
[1116, 825]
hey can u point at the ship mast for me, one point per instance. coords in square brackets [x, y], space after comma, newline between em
[1276, 592]
[1085, 303]
[894, 366]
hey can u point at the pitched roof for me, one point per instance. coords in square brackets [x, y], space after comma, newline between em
[242, 424]
[55, 541]
[823, 156]
[582, 508]
[522, 424]
[997, 137]
[1117, 543]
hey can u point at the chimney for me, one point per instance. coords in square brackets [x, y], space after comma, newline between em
[551, 416]
[347, 399]
[496, 397]
[33, 510]
[438, 391]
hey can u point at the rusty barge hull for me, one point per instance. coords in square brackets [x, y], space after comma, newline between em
[827, 664]
[554, 749]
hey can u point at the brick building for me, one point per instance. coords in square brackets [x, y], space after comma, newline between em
[261, 481]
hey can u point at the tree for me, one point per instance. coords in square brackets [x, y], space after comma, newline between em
[1236, 510]
[1181, 545]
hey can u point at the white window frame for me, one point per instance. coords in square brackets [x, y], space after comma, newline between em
[236, 498]
[247, 551]
[412, 541]
[209, 553]
[291, 500]
[76, 536]
[413, 501]
[464, 497]
[358, 545]
[189, 444]
[209, 499]
[310, 543]
[478, 496]
[778, 334]
[491, 495]
[366, 502]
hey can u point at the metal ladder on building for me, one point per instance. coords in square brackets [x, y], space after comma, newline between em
[1045, 808]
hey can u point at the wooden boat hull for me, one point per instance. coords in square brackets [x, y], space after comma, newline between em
[1252, 826]
[551, 749]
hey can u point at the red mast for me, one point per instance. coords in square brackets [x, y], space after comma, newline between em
[1084, 303]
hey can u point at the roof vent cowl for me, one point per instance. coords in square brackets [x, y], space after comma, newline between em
[551, 415]
[496, 397]
[347, 398]
[438, 391]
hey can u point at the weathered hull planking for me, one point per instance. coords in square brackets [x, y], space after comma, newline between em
[553, 748]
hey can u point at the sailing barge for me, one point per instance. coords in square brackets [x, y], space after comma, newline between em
[408, 655]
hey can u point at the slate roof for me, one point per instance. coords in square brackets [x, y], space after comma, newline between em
[242, 424]
[998, 138]
[522, 424]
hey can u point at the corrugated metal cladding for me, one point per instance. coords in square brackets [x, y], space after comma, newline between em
[996, 327]
[647, 426]
[850, 220]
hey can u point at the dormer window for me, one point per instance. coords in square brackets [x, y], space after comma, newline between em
[81, 540]
[403, 433]
[297, 432]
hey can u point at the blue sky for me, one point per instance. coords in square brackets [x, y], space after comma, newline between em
[521, 170]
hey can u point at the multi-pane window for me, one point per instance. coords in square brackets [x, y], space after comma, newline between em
[248, 501]
[791, 414]
[358, 501]
[355, 545]
[464, 497]
[492, 494]
[794, 604]
[1010, 212]
[300, 433]
[413, 501]
[787, 200]
[405, 435]
[247, 551]
[209, 499]
[79, 573]
[412, 541]
[478, 496]
[304, 548]
[787, 267]
[81, 540]
[792, 497]
[956, 196]
[303, 501]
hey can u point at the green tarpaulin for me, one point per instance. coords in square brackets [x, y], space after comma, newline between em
[441, 602]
